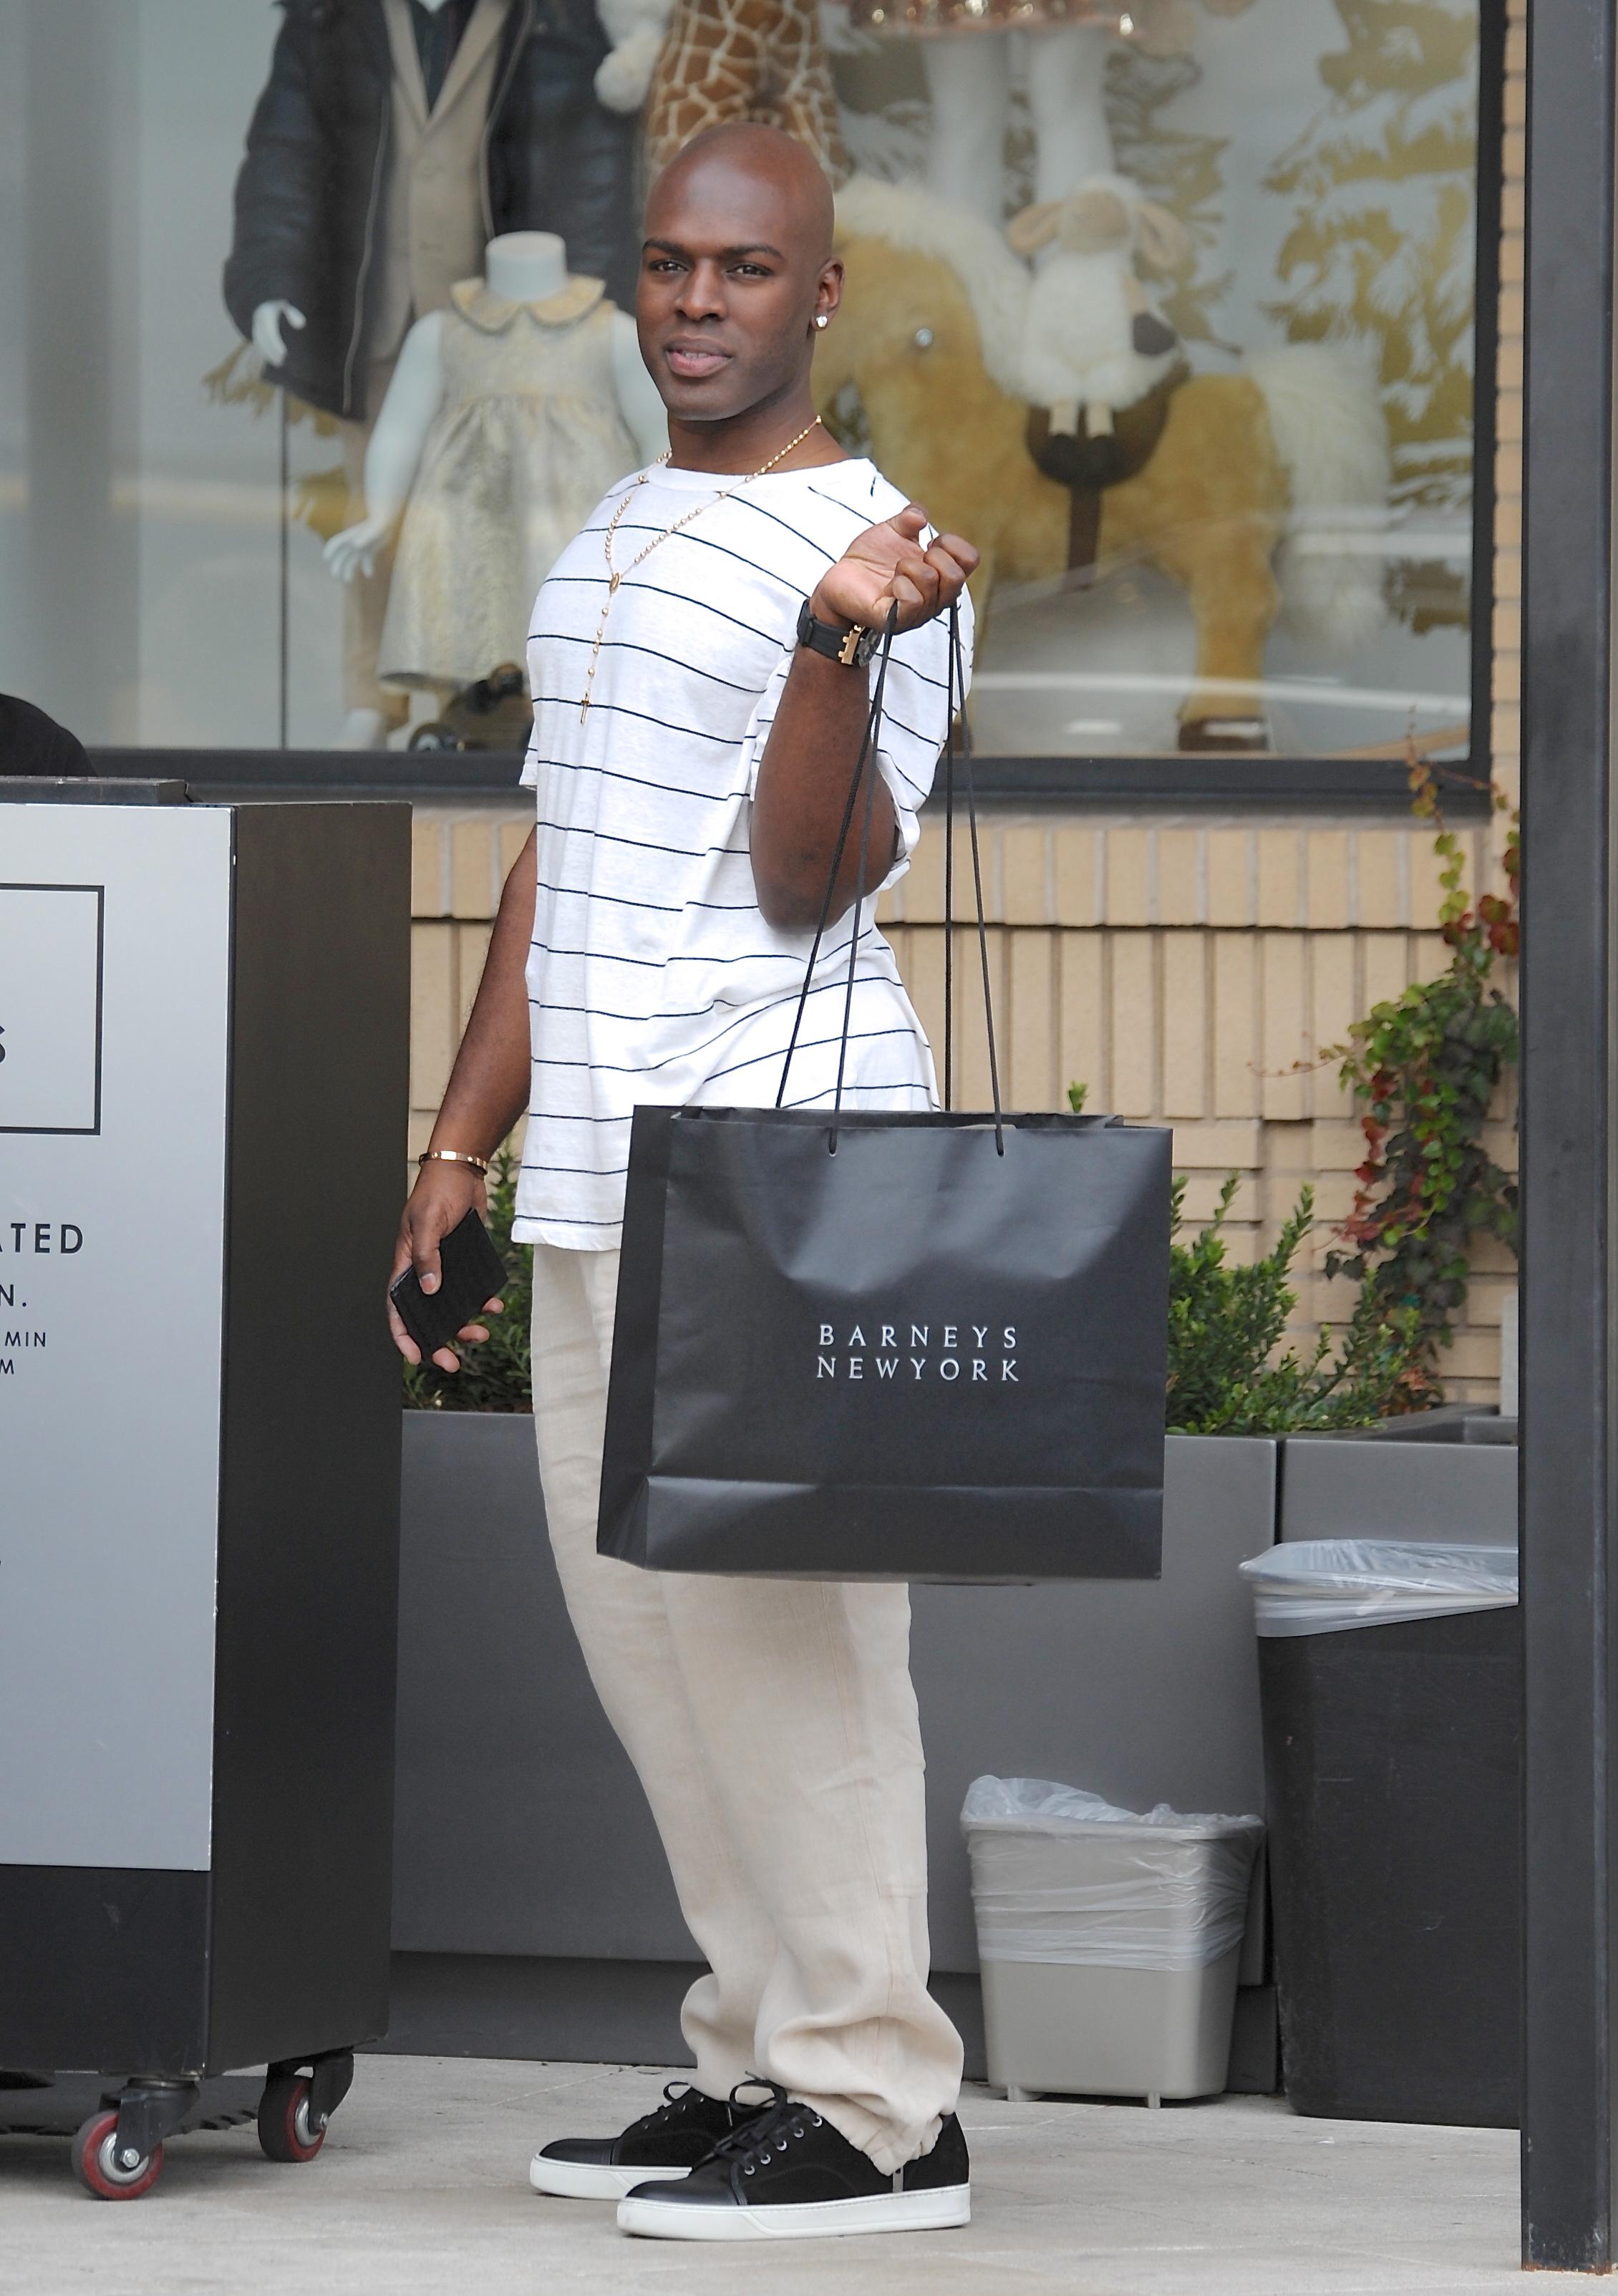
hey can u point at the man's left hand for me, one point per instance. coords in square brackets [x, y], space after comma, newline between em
[886, 566]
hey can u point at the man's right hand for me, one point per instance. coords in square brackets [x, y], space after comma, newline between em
[440, 1201]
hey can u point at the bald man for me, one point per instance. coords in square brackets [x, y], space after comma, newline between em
[699, 661]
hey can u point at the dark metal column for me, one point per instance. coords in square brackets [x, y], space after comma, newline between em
[1568, 1072]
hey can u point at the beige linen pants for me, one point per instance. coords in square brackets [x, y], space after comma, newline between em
[773, 1727]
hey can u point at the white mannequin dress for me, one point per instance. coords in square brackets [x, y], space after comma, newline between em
[526, 442]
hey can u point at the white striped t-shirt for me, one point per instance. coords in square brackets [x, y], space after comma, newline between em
[654, 976]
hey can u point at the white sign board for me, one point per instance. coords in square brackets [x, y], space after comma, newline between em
[114, 1003]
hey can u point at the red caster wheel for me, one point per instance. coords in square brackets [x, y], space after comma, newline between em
[100, 2168]
[285, 2129]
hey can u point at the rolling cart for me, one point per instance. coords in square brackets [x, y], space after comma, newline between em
[203, 1033]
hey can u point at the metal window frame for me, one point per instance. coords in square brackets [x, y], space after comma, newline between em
[1570, 1118]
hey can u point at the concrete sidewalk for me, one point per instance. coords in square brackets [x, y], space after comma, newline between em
[422, 2187]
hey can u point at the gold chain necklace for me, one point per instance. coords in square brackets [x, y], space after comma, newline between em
[615, 574]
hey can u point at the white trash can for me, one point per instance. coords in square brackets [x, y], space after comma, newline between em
[1109, 1942]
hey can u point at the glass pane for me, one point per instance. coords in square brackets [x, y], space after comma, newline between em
[1171, 310]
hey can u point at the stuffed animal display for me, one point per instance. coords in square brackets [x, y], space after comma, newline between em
[1096, 342]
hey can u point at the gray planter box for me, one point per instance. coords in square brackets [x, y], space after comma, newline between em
[521, 1832]
[1445, 1475]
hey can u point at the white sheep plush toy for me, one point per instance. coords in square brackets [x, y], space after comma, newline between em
[1097, 339]
[636, 29]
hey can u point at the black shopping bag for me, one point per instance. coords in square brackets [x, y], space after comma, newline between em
[896, 1346]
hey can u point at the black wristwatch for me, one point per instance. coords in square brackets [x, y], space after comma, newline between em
[853, 648]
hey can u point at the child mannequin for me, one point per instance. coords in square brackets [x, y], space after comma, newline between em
[483, 474]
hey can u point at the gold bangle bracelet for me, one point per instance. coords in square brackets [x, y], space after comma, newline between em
[454, 1156]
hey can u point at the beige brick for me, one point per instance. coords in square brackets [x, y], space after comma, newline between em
[472, 949]
[1326, 891]
[432, 1032]
[1280, 857]
[1385, 968]
[1235, 1046]
[1431, 955]
[922, 970]
[1202, 1198]
[1128, 900]
[1024, 888]
[472, 870]
[1285, 1038]
[1230, 877]
[1134, 1025]
[1508, 526]
[1511, 311]
[920, 889]
[1381, 888]
[1081, 1019]
[1425, 868]
[1508, 359]
[1486, 1299]
[1336, 1145]
[1506, 628]
[972, 1040]
[1073, 870]
[1509, 571]
[514, 836]
[1333, 1196]
[1179, 898]
[426, 870]
[1185, 999]
[1332, 968]
[1217, 1147]
[1030, 1079]
[1475, 1354]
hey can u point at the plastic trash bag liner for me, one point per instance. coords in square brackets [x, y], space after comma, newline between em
[1325, 1586]
[1060, 1875]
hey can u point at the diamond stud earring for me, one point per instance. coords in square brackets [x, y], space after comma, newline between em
[823, 319]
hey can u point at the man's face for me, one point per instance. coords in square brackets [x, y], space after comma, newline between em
[731, 281]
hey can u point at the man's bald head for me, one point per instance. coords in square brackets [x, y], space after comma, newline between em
[736, 268]
[752, 164]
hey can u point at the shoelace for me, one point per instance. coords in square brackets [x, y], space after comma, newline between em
[750, 2146]
[677, 2099]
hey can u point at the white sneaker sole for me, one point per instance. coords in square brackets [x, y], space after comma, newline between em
[927, 2211]
[576, 2180]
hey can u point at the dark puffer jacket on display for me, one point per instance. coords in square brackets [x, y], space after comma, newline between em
[309, 195]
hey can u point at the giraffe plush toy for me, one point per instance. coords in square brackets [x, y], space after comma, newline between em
[725, 60]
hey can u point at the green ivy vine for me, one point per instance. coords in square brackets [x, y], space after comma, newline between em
[1424, 1067]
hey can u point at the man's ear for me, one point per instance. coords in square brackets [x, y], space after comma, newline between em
[828, 287]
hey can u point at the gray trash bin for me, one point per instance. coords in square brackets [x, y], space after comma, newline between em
[1108, 1941]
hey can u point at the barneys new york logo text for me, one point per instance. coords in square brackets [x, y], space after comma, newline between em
[977, 1353]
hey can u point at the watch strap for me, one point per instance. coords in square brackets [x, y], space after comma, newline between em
[853, 647]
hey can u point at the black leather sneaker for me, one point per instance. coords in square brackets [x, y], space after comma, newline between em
[788, 2175]
[668, 2143]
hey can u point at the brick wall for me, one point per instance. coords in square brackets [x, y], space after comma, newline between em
[1188, 972]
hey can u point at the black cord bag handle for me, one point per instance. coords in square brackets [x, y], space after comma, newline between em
[957, 741]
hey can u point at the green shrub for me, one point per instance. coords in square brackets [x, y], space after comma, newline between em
[1226, 1323]
[494, 1376]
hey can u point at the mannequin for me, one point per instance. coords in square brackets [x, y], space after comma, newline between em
[386, 148]
[439, 429]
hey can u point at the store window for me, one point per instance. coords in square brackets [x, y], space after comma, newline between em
[1171, 306]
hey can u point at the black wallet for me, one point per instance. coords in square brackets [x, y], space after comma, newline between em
[472, 1273]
